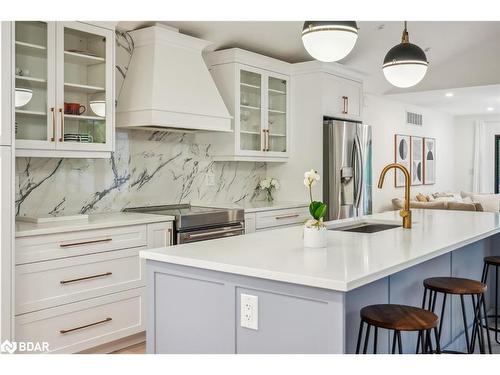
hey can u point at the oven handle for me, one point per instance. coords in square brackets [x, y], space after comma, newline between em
[214, 233]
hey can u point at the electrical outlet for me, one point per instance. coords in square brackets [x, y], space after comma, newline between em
[249, 316]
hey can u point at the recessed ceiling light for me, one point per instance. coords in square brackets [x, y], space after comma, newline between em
[489, 109]
[449, 94]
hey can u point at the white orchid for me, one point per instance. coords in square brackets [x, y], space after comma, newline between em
[275, 183]
[310, 178]
[265, 184]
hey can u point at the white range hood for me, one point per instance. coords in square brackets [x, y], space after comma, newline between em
[168, 85]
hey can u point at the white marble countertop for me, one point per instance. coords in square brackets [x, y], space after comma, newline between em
[349, 261]
[257, 206]
[95, 221]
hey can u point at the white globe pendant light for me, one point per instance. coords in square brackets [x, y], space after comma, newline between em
[405, 64]
[329, 40]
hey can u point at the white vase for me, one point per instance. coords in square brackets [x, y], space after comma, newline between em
[314, 237]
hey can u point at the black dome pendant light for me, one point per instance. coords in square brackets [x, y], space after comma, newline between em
[405, 64]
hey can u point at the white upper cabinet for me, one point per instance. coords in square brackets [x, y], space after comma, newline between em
[69, 69]
[342, 97]
[256, 90]
[6, 79]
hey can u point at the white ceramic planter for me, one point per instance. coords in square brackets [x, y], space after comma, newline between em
[314, 237]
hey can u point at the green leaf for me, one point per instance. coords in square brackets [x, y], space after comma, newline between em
[317, 209]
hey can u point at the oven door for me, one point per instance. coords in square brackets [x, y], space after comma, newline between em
[210, 233]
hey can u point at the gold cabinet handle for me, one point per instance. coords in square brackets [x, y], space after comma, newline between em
[91, 242]
[61, 138]
[267, 139]
[345, 104]
[63, 331]
[64, 282]
[168, 237]
[287, 216]
[263, 140]
[52, 110]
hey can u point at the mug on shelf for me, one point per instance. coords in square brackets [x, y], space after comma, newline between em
[74, 109]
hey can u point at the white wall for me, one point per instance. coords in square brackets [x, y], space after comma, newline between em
[387, 118]
[464, 144]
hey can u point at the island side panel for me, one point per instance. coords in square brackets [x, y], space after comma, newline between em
[466, 262]
[370, 294]
[406, 288]
[198, 311]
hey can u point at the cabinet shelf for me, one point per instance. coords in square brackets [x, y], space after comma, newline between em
[249, 132]
[30, 113]
[83, 88]
[277, 135]
[81, 58]
[30, 49]
[277, 111]
[82, 117]
[249, 85]
[279, 92]
[35, 82]
[250, 107]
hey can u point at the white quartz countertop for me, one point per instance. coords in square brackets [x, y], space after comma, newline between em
[349, 261]
[258, 206]
[95, 221]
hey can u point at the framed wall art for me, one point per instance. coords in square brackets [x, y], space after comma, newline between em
[401, 156]
[429, 161]
[416, 151]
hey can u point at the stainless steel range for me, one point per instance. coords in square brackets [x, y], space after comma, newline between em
[194, 223]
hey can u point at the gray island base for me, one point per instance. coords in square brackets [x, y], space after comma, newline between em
[194, 292]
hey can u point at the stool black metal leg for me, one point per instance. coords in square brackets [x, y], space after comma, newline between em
[367, 336]
[486, 323]
[398, 333]
[393, 351]
[428, 340]
[477, 323]
[360, 335]
[475, 328]
[438, 345]
[465, 323]
[423, 306]
[375, 335]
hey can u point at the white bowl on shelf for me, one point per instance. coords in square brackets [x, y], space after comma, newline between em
[98, 107]
[22, 97]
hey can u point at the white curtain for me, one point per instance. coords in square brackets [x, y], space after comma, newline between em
[482, 171]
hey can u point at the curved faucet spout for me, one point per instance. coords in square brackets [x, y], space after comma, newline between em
[405, 212]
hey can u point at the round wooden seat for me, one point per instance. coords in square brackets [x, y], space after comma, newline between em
[455, 285]
[492, 260]
[399, 317]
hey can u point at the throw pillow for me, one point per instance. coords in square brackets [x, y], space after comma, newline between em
[489, 202]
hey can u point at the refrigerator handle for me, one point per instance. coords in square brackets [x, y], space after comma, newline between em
[358, 168]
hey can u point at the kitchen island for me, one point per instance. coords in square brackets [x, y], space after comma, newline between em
[309, 299]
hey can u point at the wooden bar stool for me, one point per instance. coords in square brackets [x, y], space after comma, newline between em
[493, 261]
[397, 318]
[460, 287]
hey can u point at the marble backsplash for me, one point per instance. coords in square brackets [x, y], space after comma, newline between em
[147, 168]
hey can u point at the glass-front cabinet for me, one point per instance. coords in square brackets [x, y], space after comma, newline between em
[258, 98]
[64, 94]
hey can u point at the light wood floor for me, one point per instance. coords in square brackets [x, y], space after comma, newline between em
[134, 349]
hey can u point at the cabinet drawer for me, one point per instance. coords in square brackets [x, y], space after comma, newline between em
[62, 245]
[278, 218]
[77, 326]
[52, 283]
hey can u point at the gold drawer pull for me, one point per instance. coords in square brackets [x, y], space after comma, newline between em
[287, 216]
[63, 331]
[86, 278]
[85, 242]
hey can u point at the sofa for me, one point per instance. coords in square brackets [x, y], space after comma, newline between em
[462, 201]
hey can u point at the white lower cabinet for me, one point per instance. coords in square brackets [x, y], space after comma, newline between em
[274, 219]
[83, 289]
[78, 326]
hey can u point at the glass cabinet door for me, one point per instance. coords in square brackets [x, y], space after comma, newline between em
[85, 99]
[277, 115]
[34, 84]
[250, 111]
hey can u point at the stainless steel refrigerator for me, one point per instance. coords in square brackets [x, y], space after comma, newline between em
[347, 168]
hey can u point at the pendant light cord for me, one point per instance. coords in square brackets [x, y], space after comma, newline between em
[405, 38]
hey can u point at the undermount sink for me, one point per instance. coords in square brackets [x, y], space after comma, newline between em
[365, 227]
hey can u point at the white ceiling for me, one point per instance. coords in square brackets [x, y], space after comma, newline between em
[461, 54]
[465, 101]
